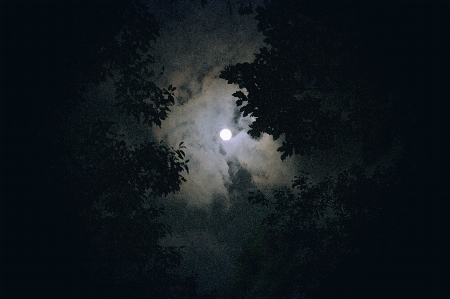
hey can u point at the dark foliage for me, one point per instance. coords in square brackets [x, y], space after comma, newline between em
[116, 187]
[347, 71]
[117, 182]
[315, 84]
[87, 213]
[316, 230]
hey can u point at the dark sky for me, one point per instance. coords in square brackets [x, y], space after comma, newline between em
[195, 44]
[210, 215]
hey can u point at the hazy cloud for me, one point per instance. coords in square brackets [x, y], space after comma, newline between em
[210, 215]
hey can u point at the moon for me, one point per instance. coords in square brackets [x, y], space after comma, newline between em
[225, 134]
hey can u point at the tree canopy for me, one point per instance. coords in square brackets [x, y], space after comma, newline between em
[81, 219]
[314, 229]
[117, 180]
[318, 82]
[311, 84]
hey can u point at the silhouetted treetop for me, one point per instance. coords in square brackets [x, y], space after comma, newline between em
[311, 84]
[117, 177]
[313, 229]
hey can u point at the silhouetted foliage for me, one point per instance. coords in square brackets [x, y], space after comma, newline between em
[89, 225]
[312, 84]
[117, 187]
[116, 180]
[317, 83]
[314, 228]
[123, 49]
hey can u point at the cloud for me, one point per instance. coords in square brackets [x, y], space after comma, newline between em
[210, 215]
[198, 122]
[194, 47]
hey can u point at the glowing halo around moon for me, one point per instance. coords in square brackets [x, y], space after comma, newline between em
[225, 134]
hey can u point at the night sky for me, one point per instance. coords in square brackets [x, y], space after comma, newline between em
[51, 58]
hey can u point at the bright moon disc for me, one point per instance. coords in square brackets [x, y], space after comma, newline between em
[225, 134]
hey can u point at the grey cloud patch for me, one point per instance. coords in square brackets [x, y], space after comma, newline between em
[237, 117]
[198, 123]
[240, 178]
[184, 93]
[212, 237]
[222, 151]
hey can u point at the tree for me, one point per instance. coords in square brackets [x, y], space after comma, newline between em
[312, 84]
[118, 187]
[116, 178]
[314, 229]
[86, 200]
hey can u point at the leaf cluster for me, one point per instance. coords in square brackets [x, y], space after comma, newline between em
[117, 182]
[311, 228]
[285, 84]
[118, 186]
[309, 85]
[143, 99]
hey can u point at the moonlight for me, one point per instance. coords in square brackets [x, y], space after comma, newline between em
[225, 134]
